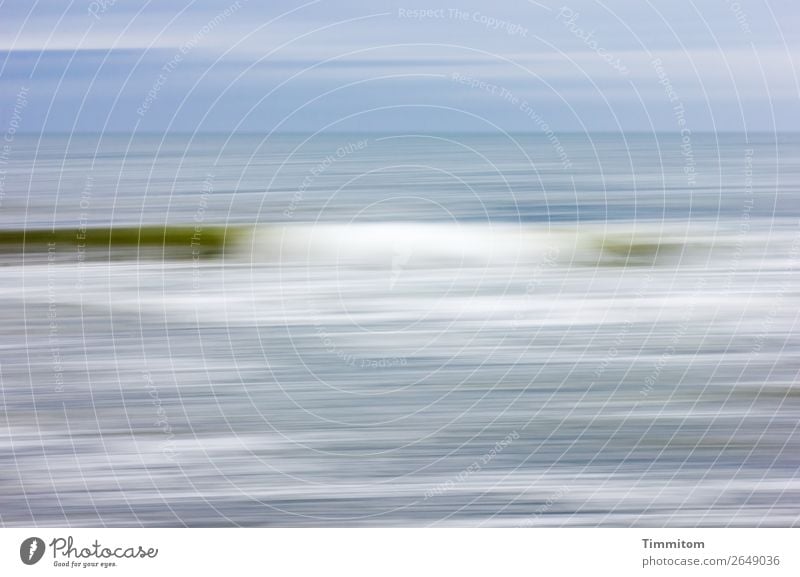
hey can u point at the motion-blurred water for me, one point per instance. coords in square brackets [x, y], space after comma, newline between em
[418, 330]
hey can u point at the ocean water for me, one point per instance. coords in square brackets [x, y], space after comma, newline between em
[413, 330]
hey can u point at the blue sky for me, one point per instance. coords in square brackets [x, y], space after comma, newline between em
[515, 65]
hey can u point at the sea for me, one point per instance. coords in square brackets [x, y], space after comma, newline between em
[516, 330]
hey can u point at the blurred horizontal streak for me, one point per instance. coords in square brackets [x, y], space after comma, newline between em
[637, 340]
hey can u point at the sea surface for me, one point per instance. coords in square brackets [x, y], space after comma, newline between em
[412, 330]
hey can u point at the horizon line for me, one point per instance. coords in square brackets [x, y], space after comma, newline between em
[407, 133]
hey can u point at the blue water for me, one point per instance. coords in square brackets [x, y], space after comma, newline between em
[338, 177]
[419, 330]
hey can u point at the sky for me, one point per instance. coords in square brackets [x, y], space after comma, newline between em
[358, 65]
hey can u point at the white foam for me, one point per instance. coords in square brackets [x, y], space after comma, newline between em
[425, 245]
[398, 245]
